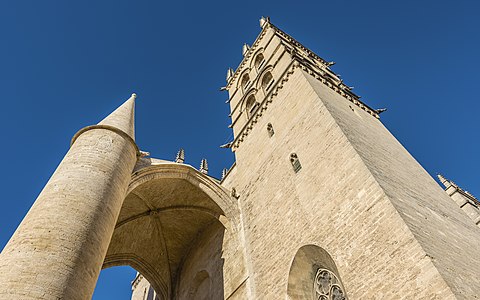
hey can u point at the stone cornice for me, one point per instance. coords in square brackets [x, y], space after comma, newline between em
[107, 127]
[464, 193]
[340, 88]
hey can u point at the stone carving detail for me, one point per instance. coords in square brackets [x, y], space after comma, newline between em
[326, 286]
[204, 166]
[224, 173]
[180, 158]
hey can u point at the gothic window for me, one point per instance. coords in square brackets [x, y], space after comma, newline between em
[326, 286]
[250, 106]
[267, 81]
[259, 60]
[314, 275]
[245, 82]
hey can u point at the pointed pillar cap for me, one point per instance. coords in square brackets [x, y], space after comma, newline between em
[123, 117]
[245, 49]
[446, 182]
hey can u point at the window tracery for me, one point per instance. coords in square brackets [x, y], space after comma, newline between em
[326, 286]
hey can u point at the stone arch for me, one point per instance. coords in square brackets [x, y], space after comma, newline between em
[308, 264]
[142, 266]
[261, 78]
[241, 77]
[170, 170]
[243, 101]
[168, 205]
[253, 62]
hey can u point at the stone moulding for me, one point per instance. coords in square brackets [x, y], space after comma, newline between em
[107, 127]
[133, 260]
[279, 85]
[216, 192]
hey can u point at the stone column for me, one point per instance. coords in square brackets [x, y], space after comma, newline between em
[58, 250]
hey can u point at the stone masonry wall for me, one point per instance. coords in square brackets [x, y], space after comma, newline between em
[446, 234]
[334, 202]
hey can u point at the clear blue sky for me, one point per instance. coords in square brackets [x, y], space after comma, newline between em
[66, 64]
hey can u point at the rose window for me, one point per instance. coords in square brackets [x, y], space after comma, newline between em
[327, 286]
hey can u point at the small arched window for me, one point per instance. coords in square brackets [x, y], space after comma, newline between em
[250, 106]
[267, 81]
[245, 82]
[259, 60]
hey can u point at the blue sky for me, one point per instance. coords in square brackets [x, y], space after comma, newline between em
[65, 65]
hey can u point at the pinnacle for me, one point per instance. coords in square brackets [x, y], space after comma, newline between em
[123, 117]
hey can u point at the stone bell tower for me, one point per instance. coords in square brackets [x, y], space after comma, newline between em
[58, 250]
[333, 205]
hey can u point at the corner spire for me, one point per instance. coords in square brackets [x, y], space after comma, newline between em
[264, 21]
[446, 182]
[123, 117]
[245, 49]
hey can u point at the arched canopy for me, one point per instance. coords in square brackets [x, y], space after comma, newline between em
[166, 207]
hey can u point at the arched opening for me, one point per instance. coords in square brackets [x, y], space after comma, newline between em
[314, 275]
[259, 61]
[267, 81]
[245, 83]
[172, 225]
[115, 283]
[250, 106]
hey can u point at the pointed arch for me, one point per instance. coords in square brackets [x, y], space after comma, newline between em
[314, 275]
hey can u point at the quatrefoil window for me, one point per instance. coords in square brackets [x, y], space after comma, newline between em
[326, 286]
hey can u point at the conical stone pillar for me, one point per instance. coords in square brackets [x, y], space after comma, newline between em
[58, 250]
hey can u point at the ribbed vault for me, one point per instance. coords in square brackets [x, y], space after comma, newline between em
[167, 207]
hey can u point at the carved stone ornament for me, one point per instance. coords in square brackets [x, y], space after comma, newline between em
[326, 286]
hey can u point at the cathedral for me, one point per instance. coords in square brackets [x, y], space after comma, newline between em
[321, 203]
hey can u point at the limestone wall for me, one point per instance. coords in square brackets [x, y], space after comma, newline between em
[446, 235]
[334, 202]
